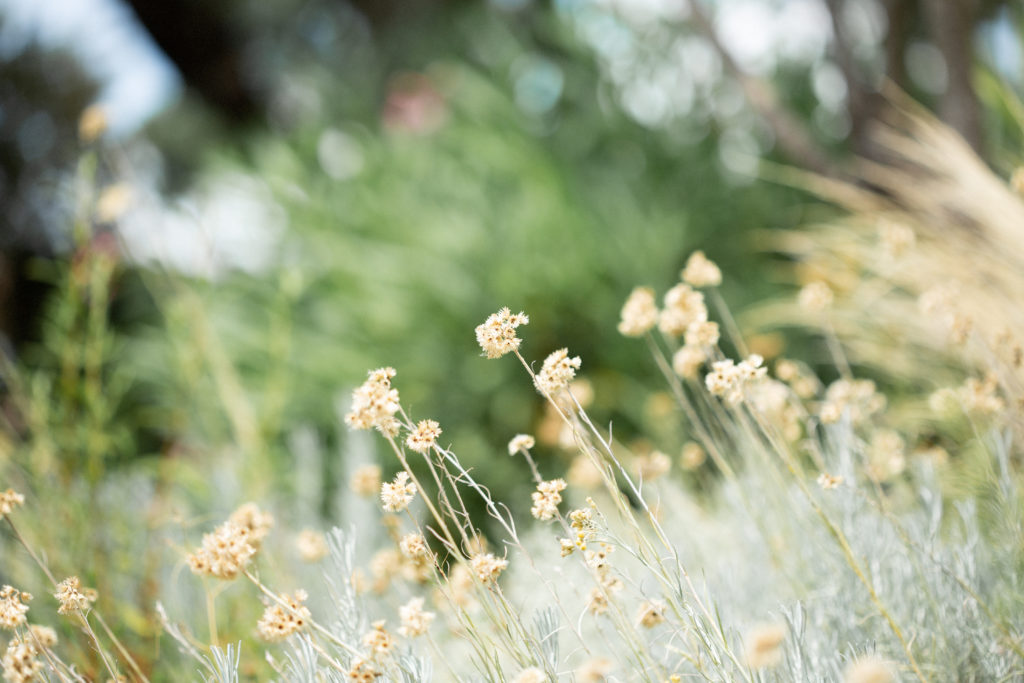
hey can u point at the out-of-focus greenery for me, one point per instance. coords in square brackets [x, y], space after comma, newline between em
[393, 243]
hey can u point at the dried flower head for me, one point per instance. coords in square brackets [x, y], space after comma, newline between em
[815, 297]
[597, 602]
[546, 499]
[869, 669]
[557, 371]
[375, 403]
[257, 523]
[829, 481]
[9, 500]
[700, 271]
[377, 640]
[728, 379]
[856, 397]
[12, 607]
[73, 598]
[224, 553]
[423, 438]
[521, 442]
[896, 238]
[693, 456]
[415, 620]
[688, 360]
[20, 663]
[487, 567]
[651, 466]
[312, 545]
[497, 335]
[42, 636]
[583, 473]
[363, 671]
[639, 313]
[530, 675]
[594, 670]
[683, 307]
[365, 481]
[886, 455]
[413, 545]
[764, 645]
[92, 123]
[396, 495]
[702, 333]
[651, 613]
[282, 620]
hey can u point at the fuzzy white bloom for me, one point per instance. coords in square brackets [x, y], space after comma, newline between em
[815, 297]
[396, 495]
[546, 499]
[521, 442]
[639, 313]
[700, 271]
[415, 620]
[497, 335]
[557, 371]
[683, 307]
[375, 403]
[423, 438]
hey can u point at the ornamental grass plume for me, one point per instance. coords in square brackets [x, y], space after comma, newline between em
[497, 335]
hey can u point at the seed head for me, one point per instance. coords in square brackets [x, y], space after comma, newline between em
[257, 523]
[557, 371]
[497, 335]
[312, 545]
[73, 598]
[687, 361]
[377, 640]
[764, 645]
[487, 567]
[815, 297]
[546, 499]
[224, 553]
[683, 307]
[423, 438]
[375, 403]
[869, 669]
[396, 495]
[415, 620]
[520, 442]
[365, 481]
[9, 500]
[19, 662]
[651, 613]
[639, 313]
[12, 607]
[280, 621]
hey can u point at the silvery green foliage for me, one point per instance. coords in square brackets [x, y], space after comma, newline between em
[223, 663]
[546, 624]
[349, 617]
[414, 669]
